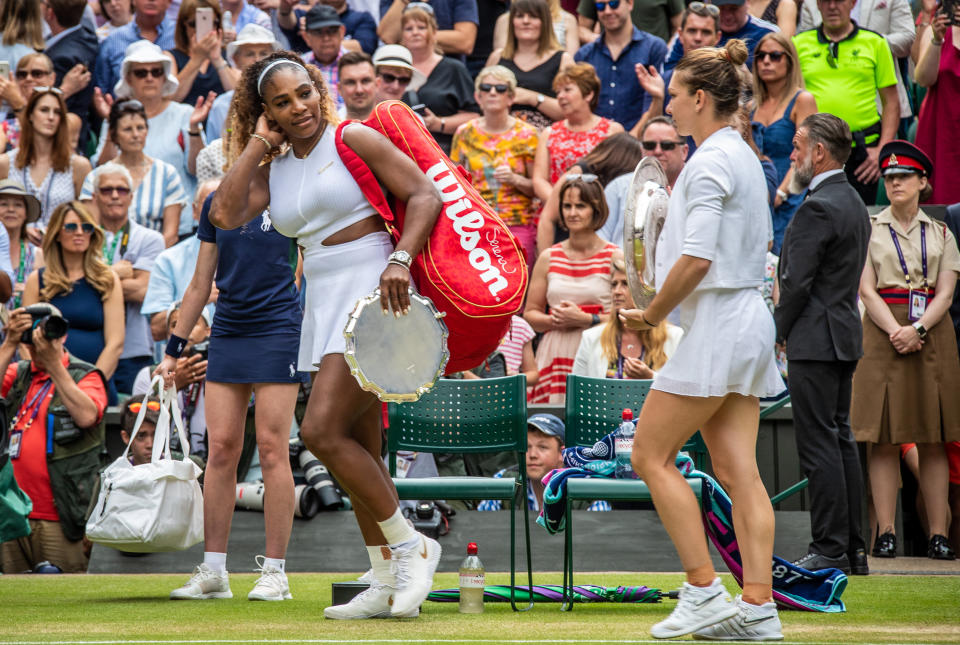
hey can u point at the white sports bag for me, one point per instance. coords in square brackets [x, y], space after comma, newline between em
[156, 506]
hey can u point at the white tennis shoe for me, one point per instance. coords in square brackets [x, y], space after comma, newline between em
[750, 623]
[697, 608]
[271, 585]
[205, 583]
[375, 602]
[416, 565]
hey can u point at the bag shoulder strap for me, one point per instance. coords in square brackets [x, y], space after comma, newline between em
[361, 172]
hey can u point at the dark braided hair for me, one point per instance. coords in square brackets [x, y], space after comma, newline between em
[247, 104]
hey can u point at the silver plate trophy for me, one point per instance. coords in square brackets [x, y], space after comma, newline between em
[643, 217]
[398, 359]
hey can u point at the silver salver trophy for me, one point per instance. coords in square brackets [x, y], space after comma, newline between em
[643, 217]
[397, 358]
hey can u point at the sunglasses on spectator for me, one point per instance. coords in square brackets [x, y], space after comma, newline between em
[137, 405]
[501, 88]
[833, 53]
[697, 7]
[418, 5]
[40, 89]
[156, 72]
[391, 78]
[73, 227]
[775, 57]
[130, 104]
[585, 177]
[106, 191]
[666, 146]
[35, 74]
[613, 4]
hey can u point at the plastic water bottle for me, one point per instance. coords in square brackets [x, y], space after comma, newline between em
[623, 446]
[472, 580]
[227, 21]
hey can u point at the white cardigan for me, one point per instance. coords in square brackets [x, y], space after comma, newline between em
[590, 360]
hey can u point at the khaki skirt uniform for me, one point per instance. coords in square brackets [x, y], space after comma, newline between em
[905, 398]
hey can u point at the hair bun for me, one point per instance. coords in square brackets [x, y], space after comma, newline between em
[736, 51]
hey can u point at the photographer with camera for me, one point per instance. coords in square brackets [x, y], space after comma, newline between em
[189, 378]
[55, 404]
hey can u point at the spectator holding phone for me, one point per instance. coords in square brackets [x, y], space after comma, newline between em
[198, 61]
[938, 129]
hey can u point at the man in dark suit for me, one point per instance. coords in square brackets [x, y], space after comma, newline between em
[72, 46]
[824, 250]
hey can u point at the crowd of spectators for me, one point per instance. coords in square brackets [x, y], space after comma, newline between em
[114, 129]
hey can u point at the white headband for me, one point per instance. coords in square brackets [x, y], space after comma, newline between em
[279, 61]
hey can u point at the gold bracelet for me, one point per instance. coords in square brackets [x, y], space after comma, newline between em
[264, 139]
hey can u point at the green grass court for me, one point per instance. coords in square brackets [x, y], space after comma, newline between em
[135, 608]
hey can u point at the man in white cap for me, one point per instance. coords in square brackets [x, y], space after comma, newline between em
[253, 43]
[395, 72]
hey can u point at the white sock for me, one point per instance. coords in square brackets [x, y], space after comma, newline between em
[396, 530]
[274, 563]
[216, 561]
[381, 559]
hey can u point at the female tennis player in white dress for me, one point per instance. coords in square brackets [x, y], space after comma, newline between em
[710, 260]
[284, 123]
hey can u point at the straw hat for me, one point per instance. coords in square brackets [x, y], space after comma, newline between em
[144, 51]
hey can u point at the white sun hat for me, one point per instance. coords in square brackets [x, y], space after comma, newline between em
[144, 51]
[251, 34]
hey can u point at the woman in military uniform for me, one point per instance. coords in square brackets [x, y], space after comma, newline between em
[905, 386]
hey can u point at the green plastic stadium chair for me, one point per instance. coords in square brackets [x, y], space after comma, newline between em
[593, 409]
[790, 491]
[468, 416]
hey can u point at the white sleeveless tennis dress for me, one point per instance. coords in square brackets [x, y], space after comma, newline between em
[311, 199]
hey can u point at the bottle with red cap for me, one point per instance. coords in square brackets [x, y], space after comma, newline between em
[472, 581]
[623, 446]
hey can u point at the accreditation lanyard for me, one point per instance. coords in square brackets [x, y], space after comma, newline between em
[923, 254]
[123, 233]
[21, 272]
[643, 351]
[33, 408]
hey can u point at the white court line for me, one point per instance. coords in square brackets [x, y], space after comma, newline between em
[391, 640]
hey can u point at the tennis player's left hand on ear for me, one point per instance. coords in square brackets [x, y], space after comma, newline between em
[633, 319]
[394, 290]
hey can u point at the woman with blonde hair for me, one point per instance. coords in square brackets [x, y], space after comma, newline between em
[447, 93]
[710, 263]
[781, 104]
[44, 162]
[531, 51]
[85, 290]
[614, 351]
[22, 24]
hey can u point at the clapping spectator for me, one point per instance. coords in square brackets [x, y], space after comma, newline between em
[938, 69]
[44, 162]
[904, 390]
[22, 24]
[158, 196]
[78, 283]
[447, 94]
[535, 56]
[622, 95]
[498, 150]
[72, 46]
[562, 23]
[117, 14]
[69, 396]
[174, 133]
[781, 103]
[570, 286]
[455, 23]
[612, 350]
[17, 209]
[198, 63]
[130, 250]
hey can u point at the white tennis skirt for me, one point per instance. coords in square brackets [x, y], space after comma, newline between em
[337, 277]
[727, 347]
